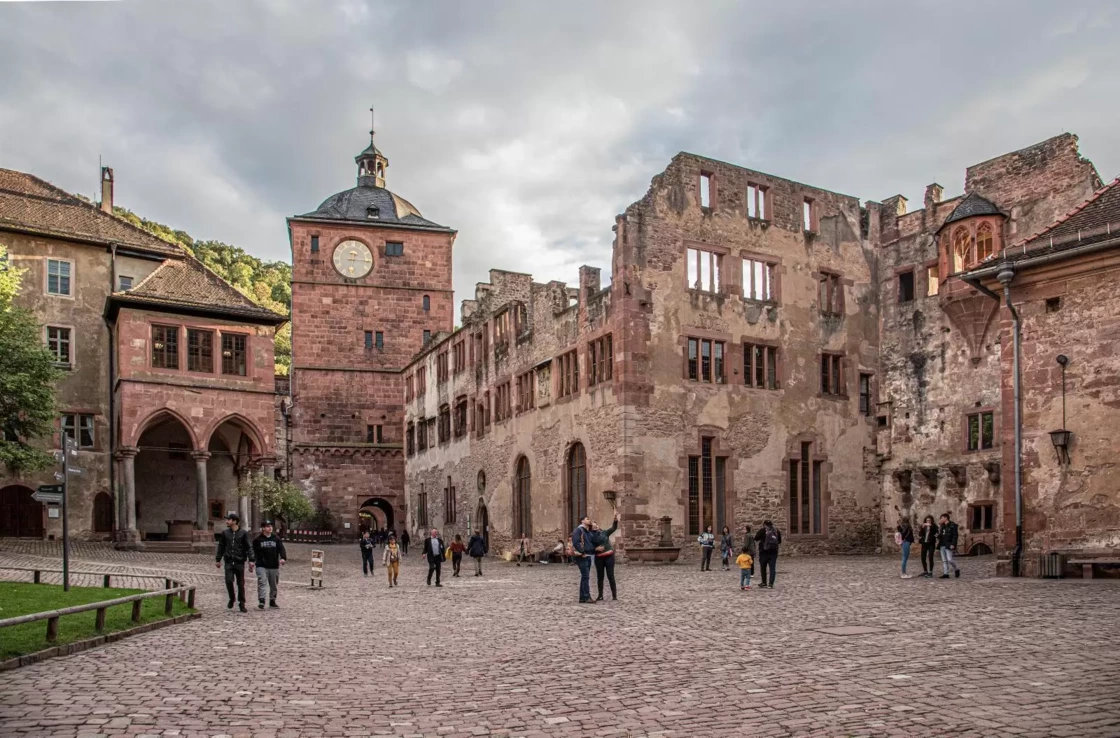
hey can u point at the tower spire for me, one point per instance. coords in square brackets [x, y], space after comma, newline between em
[371, 162]
[372, 125]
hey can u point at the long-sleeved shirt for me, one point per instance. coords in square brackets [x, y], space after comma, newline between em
[234, 547]
[947, 535]
[268, 550]
[367, 545]
[582, 541]
[392, 554]
[706, 540]
[603, 538]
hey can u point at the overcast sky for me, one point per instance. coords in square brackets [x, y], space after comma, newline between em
[528, 125]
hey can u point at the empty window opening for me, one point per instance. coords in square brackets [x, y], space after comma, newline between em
[809, 215]
[394, 248]
[1053, 304]
[906, 286]
[758, 280]
[705, 190]
[830, 295]
[314, 244]
[865, 395]
[981, 431]
[933, 281]
[756, 202]
[427, 337]
[981, 517]
[704, 270]
[426, 303]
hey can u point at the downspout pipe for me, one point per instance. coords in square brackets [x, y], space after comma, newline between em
[1005, 278]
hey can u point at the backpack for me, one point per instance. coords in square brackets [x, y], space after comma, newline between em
[770, 541]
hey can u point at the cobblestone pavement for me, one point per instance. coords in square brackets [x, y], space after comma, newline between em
[680, 654]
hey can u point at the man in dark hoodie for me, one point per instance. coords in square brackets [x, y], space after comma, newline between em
[268, 550]
[769, 539]
[476, 549]
[234, 550]
[947, 539]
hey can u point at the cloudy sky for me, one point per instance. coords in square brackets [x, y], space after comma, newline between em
[528, 125]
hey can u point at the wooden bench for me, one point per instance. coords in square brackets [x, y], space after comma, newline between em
[1088, 564]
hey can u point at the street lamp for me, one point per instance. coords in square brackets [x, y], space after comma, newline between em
[1061, 437]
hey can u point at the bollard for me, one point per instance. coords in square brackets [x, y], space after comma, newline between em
[106, 581]
[136, 611]
[99, 625]
[52, 630]
[37, 577]
[190, 598]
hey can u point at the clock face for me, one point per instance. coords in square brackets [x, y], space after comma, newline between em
[352, 259]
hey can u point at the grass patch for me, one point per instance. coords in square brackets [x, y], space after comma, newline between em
[23, 598]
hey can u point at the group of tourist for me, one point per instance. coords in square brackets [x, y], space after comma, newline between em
[932, 537]
[265, 555]
[761, 546]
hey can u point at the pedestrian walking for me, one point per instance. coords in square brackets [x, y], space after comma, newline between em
[268, 550]
[525, 550]
[583, 547]
[947, 540]
[604, 556]
[904, 537]
[927, 536]
[726, 546]
[404, 541]
[476, 549]
[366, 545]
[391, 560]
[745, 562]
[769, 540]
[751, 545]
[707, 543]
[457, 549]
[234, 550]
[434, 550]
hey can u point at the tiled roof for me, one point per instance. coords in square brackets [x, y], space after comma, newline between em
[971, 205]
[29, 204]
[372, 205]
[187, 283]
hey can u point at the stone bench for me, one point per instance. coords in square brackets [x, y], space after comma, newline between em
[1088, 564]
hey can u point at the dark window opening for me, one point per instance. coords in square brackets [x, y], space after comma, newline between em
[805, 495]
[426, 303]
[200, 351]
[427, 337]
[981, 517]
[1053, 304]
[314, 244]
[394, 248]
[369, 340]
[981, 431]
[865, 395]
[906, 286]
[379, 340]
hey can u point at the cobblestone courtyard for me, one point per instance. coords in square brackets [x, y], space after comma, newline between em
[680, 654]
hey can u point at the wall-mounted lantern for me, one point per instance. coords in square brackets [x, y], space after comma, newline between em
[612, 497]
[1061, 437]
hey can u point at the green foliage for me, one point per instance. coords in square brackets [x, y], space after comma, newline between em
[27, 378]
[267, 283]
[281, 500]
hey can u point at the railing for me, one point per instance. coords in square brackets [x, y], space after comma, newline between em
[106, 579]
[52, 616]
[305, 535]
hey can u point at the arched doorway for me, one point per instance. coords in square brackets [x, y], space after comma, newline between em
[980, 549]
[575, 476]
[379, 513]
[483, 524]
[233, 448]
[165, 479]
[20, 516]
[102, 513]
[522, 499]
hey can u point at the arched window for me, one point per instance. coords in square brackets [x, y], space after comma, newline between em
[962, 249]
[427, 303]
[522, 499]
[576, 476]
[985, 242]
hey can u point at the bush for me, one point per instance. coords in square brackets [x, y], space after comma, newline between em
[282, 500]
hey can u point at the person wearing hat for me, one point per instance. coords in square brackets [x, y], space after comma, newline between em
[269, 552]
[234, 550]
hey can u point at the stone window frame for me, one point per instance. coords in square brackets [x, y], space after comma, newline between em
[234, 335]
[779, 364]
[69, 294]
[701, 336]
[934, 265]
[444, 432]
[844, 370]
[836, 292]
[713, 190]
[600, 359]
[981, 410]
[408, 388]
[775, 265]
[871, 393]
[567, 377]
[460, 416]
[422, 507]
[794, 448]
[993, 503]
[215, 343]
[421, 380]
[719, 256]
[459, 355]
[763, 204]
[575, 483]
[442, 365]
[410, 439]
[522, 498]
[725, 503]
[810, 216]
[503, 402]
[78, 417]
[450, 503]
[898, 274]
[163, 351]
[71, 345]
[526, 391]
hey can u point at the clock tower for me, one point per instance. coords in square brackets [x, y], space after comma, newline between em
[371, 280]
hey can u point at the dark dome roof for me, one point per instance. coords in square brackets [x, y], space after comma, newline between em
[971, 205]
[370, 204]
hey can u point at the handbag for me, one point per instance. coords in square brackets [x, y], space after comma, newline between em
[898, 539]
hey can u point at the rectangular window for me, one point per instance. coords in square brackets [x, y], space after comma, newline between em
[694, 495]
[233, 354]
[125, 283]
[58, 343]
[410, 439]
[502, 323]
[865, 395]
[459, 354]
[705, 190]
[444, 423]
[600, 360]
[379, 340]
[981, 431]
[706, 489]
[374, 434]
[721, 486]
[981, 517]
[832, 378]
[756, 202]
[427, 337]
[165, 346]
[760, 366]
[906, 286]
[369, 340]
[932, 281]
[314, 244]
[809, 215]
[526, 392]
[830, 294]
[704, 270]
[449, 502]
[394, 248]
[502, 402]
[805, 495]
[441, 367]
[421, 381]
[758, 280]
[705, 360]
[460, 417]
[408, 390]
[58, 277]
[200, 351]
[422, 507]
[422, 435]
[568, 377]
[78, 428]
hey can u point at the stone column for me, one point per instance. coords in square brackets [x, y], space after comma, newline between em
[201, 500]
[128, 536]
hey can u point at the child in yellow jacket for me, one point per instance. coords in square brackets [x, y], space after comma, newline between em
[745, 563]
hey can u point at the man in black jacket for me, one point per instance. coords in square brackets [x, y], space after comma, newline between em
[366, 544]
[476, 549]
[234, 549]
[584, 547]
[404, 539]
[433, 549]
[947, 540]
[769, 539]
[268, 550]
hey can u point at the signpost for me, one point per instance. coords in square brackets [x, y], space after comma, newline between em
[317, 567]
[54, 494]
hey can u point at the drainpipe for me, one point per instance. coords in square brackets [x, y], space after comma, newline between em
[112, 405]
[1005, 277]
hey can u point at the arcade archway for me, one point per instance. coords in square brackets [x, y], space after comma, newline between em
[376, 513]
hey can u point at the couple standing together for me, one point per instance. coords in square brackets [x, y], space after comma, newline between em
[591, 543]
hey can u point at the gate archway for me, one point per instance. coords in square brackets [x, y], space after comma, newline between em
[380, 510]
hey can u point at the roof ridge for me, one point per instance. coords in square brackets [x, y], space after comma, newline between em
[1069, 214]
[221, 280]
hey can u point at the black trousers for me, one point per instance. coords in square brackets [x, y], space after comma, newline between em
[605, 564]
[706, 562]
[367, 561]
[404, 546]
[769, 560]
[434, 567]
[927, 554]
[456, 562]
[236, 573]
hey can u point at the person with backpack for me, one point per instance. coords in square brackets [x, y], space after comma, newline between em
[391, 559]
[769, 539]
[904, 537]
[927, 536]
[726, 546]
[268, 550]
[234, 549]
[947, 539]
[366, 544]
[583, 545]
[707, 543]
[476, 549]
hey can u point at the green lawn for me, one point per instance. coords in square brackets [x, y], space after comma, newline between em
[22, 598]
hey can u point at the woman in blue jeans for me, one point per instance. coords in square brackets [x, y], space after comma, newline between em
[905, 538]
[707, 543]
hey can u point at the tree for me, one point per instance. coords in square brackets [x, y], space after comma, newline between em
[281, 499]
[27, 379]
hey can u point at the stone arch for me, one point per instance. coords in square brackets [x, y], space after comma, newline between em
[522, 507]
[980, 549]
[575, 484]
[246, 426]
[380, 510]
[155, 418]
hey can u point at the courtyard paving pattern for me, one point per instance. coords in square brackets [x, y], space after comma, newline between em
[511, 654]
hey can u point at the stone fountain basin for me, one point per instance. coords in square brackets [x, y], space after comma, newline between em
[653, 555]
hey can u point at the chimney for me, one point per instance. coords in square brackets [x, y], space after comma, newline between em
[933, 195]
[107, 189]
